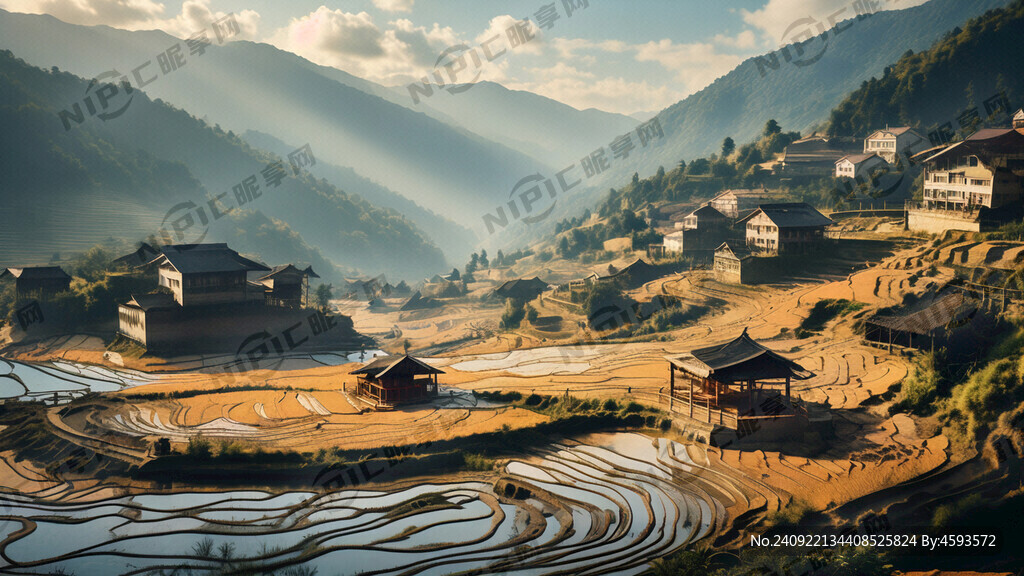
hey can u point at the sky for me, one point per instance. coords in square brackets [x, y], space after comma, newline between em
[626, 56]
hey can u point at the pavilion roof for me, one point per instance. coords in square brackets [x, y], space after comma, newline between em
[738, 360]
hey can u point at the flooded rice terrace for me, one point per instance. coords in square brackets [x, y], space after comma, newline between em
[610, 506]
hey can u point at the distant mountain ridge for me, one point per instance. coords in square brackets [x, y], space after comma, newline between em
[133, 173]
[798, 97]
[246, 86]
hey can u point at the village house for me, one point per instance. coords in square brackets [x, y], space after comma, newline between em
[728, 383]
[207, 303]
[732, 203]
[789, 227]
[521, 289]
[734, 264]
[38, 281]
[143, 254]
[1018, 119]
[703, 230]
[815, 156]
[201, 274]
[891, 143]
[858, 166]
[965, 181]
[389, 381]
[287, 286]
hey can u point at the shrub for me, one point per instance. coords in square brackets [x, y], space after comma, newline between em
[533, 400]
[199, 448]
[633, 408]
[610, 405]
[827, 309]
[531, 314]
[513, 315]
[478, 462]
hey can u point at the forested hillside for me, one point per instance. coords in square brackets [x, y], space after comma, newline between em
[73, 188]
[971, 68]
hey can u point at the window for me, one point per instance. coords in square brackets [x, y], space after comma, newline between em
[972, 161]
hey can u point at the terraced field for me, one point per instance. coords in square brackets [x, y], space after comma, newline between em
[608, 505]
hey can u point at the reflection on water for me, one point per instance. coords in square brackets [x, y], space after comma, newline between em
[589, 508]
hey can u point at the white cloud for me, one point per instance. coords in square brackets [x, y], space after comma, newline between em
[777, 16]
[394, 5]
[398, 53]
[512, 34]
[195, 15]
[583, 89]
[745, 40]
[695, 65]
[91, 12]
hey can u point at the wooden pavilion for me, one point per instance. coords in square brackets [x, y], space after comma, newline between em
[392, 380]
[731, 382]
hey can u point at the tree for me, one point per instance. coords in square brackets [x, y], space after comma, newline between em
[513, 315]
[473, 262]
[406, 345]
[499, 260]
[323, 295]
[728, 146]
[455, 276]
[772, 127]
[483, 259]
[563, 247]
[681, 166]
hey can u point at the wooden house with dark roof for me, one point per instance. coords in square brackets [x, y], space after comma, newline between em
[38, 281]
[521, 289]
[734, 264]
[788, 227]
[200, 274]
[389, 381]
[731, 382]
[636, 273]
[287, 286]
[143, 254]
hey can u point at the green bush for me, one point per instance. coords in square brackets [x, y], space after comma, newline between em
[827, 309]
[513, 315]
[199, 448]
[478, 462]
[610, 405]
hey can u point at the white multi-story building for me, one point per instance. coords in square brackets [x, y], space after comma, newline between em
[983, 171]
[891, 143]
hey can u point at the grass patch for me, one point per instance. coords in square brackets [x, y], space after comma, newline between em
[825, 310]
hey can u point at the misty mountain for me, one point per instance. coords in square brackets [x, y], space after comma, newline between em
[454, 240]
[798, 96]
[128, 177]
[246, 86]
[535, 125]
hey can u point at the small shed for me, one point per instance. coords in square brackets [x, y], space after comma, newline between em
[38, 281]
[923, 328]
[287, 286]
[392, 380]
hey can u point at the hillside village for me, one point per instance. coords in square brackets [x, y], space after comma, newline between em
[804, 333]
